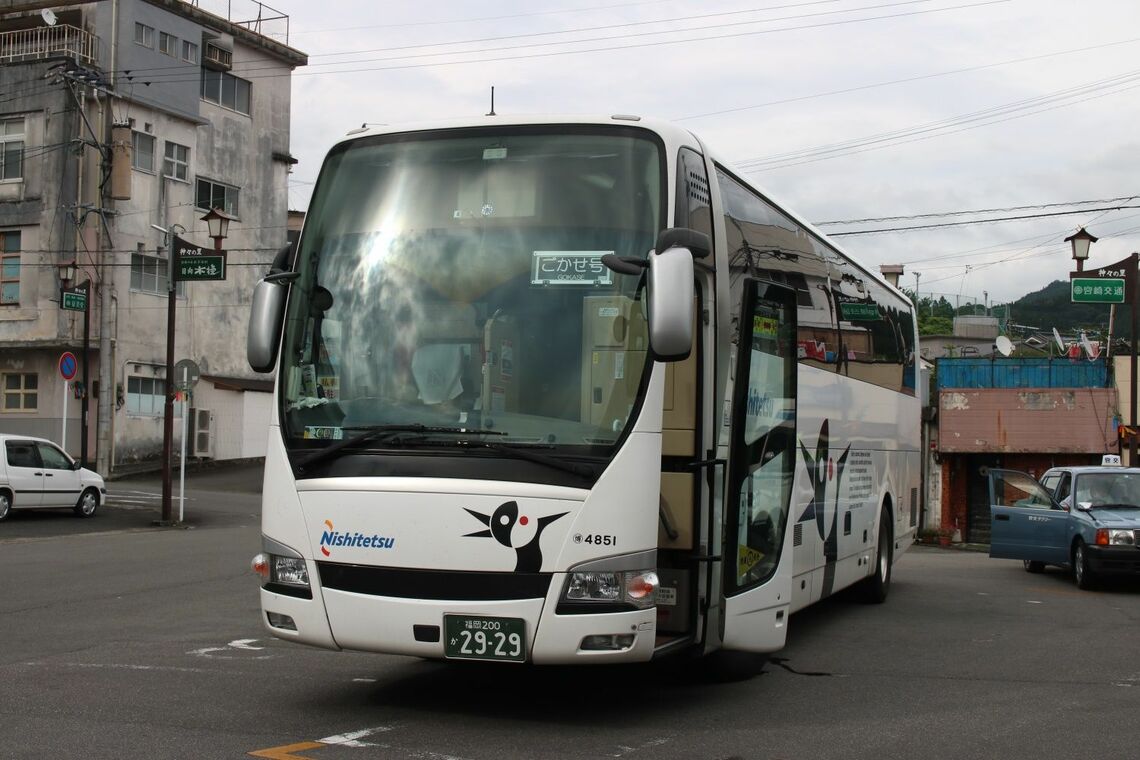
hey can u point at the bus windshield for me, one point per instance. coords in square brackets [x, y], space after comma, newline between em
[454, 280]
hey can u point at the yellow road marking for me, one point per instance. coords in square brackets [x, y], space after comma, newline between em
[285, 751]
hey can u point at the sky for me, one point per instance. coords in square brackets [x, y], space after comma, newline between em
[840, 110]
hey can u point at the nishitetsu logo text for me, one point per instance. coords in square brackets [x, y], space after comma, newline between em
[333, 537]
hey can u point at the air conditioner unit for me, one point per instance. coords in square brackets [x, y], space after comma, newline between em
[201, 433]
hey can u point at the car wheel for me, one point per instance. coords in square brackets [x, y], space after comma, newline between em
[1084, 575]
[87, 503]
[5, 504]
[876, 587]
[1033, 566]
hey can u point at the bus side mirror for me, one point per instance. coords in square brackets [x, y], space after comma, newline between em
[266, 314]
[669, 290]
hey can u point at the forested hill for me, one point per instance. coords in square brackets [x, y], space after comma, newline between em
[1051, 307]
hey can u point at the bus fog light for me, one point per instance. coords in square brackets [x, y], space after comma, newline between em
[283, 622]
[614, 642]
[290, 570]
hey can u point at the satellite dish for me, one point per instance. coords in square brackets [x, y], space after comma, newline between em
[1004, 345]
[48, 16]
[1057, 337]
[1092, 351]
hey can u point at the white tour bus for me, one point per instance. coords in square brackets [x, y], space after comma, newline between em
[570, 390]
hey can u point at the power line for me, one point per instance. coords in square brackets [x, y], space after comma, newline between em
[871, 142]
[634, 46]
[907, 80]
[1007, 209]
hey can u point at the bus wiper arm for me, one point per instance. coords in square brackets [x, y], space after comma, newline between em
[374, 433]
[530, 455]
[371, 433]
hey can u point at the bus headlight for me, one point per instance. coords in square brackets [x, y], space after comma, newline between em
[288, 571]
[637, 588]
[1115, 537]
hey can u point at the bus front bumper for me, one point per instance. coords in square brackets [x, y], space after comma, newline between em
[338, 619]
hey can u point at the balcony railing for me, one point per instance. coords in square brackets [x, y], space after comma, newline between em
[47, 42]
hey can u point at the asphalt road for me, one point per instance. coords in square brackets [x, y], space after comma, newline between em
[122, 640]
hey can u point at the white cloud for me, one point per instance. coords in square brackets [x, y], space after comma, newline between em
[1077, 151]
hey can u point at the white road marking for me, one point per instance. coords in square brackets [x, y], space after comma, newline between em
[244, 644]
[352, 738]
[1033, 601]
[624, 750]
[232, 651]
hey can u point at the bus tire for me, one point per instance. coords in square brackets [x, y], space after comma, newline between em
[5, 504]
[876, 587]
[730, 666]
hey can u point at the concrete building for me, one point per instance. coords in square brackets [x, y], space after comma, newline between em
[120, 119]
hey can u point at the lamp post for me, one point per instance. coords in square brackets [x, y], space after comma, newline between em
[1081, 240]
[218, 222]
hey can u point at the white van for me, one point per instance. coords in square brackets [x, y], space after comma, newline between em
[37, 474]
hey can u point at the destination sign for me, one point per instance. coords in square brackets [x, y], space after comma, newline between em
[570, 268]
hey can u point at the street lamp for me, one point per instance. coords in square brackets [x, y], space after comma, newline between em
[67, 272]
[218, 222]
[1081, 240]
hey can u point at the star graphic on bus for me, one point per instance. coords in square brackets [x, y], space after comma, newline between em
[502, 524]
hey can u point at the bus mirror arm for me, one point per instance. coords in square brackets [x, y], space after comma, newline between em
[698, 243]
[624, 264]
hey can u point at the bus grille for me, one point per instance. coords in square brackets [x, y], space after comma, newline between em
[433, 584]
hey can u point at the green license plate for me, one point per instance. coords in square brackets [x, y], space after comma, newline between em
[474, 637]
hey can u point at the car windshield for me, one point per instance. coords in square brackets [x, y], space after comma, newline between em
[1100, 489]
[454, 280]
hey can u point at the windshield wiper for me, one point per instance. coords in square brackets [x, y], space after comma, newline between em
[377, 433]
[529, 454]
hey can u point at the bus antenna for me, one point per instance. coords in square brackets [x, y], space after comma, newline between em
[492, 111]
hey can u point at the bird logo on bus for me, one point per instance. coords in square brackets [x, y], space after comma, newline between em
[514, 531]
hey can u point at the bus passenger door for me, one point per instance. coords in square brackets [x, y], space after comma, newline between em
[757, 553]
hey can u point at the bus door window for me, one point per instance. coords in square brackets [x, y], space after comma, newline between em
[764, 419]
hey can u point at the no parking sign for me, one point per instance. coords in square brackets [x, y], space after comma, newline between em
[68, 365]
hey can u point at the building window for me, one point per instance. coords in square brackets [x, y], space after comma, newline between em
[189, 51]
[10, 267]
[142, 153]
[176, 164]
[168, 43]
[212, 195]
[226, 90]
[146, 396]
[21, 391]
[148, 275]
[11, 148]
[144, 35]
